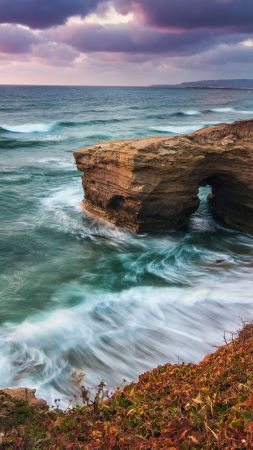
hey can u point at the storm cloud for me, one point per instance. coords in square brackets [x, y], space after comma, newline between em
[44, 13]
[161, 34]
[226, 14]
[137, 39]
[229, 14]
[16, 40]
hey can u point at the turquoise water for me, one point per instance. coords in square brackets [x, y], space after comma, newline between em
[79, 295]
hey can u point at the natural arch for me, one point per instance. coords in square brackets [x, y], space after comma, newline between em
[152, 184]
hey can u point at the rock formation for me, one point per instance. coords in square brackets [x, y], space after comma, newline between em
[152, 184]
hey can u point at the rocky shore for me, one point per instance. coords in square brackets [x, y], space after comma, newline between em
[152, 184]
[184, 406]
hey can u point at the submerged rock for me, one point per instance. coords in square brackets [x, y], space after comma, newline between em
[152, 184]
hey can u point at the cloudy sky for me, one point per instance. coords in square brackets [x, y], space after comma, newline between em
[124, 42]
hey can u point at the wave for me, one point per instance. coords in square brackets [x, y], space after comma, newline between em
[61, 210]
[177, 129]
[28, 128]
[245, 112]
[64, 196]
[11, 178]
[45, 128]
[217, 110]
[196, 112]
[189, 112]
[103, 334]
[28, 142]
[14, 144]
[193, 112]
[227, 110]
[69, 124]
[158, 116]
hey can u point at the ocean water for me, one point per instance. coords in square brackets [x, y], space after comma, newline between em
[77, 294]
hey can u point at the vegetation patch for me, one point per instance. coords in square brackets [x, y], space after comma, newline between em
[185, 406]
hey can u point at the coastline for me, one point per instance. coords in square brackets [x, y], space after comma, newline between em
[203, 88]
[76, 290]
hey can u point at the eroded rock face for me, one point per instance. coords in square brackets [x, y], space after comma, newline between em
[152, 184]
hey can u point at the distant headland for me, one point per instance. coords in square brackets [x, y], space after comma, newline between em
[210, 84]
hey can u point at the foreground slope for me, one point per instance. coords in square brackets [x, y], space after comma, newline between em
[208, 405]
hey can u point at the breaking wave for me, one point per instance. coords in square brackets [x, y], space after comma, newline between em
[220, 110]
[195, 112]
[104, 334]
[28, 128]
[46, 128]
[177, 129]
[228, 110]
[189, 112]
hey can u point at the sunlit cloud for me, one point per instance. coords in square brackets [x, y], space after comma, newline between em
[109, 17]
[248, 43]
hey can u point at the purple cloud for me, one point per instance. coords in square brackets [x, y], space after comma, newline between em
[135, 38]
[44, 13]
[230, 14]
[227, 14]
[16, 40]
[189, 34]
[55, 54]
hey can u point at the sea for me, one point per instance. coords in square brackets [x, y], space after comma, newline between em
[82, 301]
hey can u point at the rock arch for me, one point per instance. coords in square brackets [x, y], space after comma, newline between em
[152, 184]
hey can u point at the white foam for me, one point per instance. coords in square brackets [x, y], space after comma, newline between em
[249, 112]
[57, 161]
[62, 210]
[191, 112]
[29, 128]
[48, 138]
[178, 129]
[222, 110]
[69, 195]
[232, 110]
[144, 325]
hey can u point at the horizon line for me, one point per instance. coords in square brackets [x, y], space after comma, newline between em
[121, 85]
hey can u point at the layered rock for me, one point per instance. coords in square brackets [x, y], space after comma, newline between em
[152, 184]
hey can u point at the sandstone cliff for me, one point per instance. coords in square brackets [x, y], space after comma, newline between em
[152, 184]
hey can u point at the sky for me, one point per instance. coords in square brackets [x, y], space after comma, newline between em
[124, 42]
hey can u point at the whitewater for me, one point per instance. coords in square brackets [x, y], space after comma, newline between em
[78, 295]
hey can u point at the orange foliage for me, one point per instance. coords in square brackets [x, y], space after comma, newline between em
[186, 406]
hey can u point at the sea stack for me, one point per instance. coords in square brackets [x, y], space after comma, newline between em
[152, 184]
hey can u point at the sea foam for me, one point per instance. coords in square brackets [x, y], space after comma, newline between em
[107, 329]
[220, 110]
[190, 112]
[29, 128]
[177, 129]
